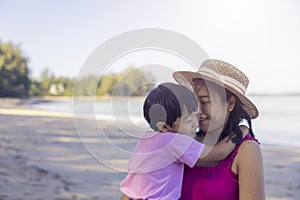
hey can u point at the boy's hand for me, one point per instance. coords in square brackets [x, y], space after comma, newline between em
[220, 151]
[124, 197]
[244, 130]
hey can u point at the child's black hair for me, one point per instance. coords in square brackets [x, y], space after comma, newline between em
[166, 103]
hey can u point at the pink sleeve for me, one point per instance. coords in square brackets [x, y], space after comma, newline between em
[187, 150]
[175, 148]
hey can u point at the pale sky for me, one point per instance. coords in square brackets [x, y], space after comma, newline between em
[259, 37]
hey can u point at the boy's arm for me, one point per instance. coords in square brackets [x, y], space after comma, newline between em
[222, 149]
[217, 152]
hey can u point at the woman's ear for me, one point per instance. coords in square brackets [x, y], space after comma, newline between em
[161, 126]
[231, 103]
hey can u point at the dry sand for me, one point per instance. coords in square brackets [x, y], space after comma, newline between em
[42, 157]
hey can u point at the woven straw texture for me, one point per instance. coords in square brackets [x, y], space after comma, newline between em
[237, 81]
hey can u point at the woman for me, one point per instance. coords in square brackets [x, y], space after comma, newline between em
[220, 89]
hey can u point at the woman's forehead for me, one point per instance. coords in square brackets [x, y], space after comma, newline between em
[201, 88]
[208, 88]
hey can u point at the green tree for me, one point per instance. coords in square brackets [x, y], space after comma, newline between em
[45, 82]
[86, 86]
[68, 85]
[106, 84]
[52, 85]
[133, 82]
[35, 88]
[14, 73]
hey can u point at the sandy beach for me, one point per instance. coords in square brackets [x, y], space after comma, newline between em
[42, 157]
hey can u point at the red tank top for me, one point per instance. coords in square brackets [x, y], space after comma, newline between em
[212, 182]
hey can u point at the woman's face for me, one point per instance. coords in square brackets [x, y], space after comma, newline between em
[212, 106]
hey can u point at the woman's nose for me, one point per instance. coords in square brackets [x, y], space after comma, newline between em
[200, 109]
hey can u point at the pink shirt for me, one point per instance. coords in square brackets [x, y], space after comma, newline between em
[155, 169]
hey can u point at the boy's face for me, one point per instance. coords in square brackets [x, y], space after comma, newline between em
[186, 124]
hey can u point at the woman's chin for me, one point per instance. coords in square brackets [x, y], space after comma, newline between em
[204, 129]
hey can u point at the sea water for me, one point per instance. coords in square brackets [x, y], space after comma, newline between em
[277, 124]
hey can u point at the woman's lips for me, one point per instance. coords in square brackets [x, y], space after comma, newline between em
[202, 121]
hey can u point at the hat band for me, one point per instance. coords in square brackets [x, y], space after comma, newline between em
[224, 79]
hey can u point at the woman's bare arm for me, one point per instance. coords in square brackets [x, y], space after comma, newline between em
[249, 163]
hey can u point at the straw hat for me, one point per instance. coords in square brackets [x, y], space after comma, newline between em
[223, 74]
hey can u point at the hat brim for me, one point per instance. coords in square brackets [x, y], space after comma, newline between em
[186, 77]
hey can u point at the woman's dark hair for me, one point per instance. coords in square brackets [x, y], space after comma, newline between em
[166, 103]
[236, 115]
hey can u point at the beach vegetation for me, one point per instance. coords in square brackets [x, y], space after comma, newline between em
[15, 80]
[14, 72]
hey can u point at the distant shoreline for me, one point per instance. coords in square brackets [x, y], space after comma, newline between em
[274, 94]
[105, 98]
[10, 102]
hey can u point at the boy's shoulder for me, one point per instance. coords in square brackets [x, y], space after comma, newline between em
[153, 140]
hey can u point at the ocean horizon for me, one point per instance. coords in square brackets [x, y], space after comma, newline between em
[276, 124]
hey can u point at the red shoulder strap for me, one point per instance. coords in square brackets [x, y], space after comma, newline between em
[230, 158]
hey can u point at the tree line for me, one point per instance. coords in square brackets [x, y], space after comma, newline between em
[15, 79]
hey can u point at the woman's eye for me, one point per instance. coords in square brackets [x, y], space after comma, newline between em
[204, 100]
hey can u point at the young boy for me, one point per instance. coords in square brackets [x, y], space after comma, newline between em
[155, 169]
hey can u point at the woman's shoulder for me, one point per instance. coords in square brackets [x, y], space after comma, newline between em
[248, 150]
[247, 153]
[249, 147]
[248, 143]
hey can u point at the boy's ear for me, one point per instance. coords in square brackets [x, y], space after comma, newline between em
[231, 103]
[161, 126]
